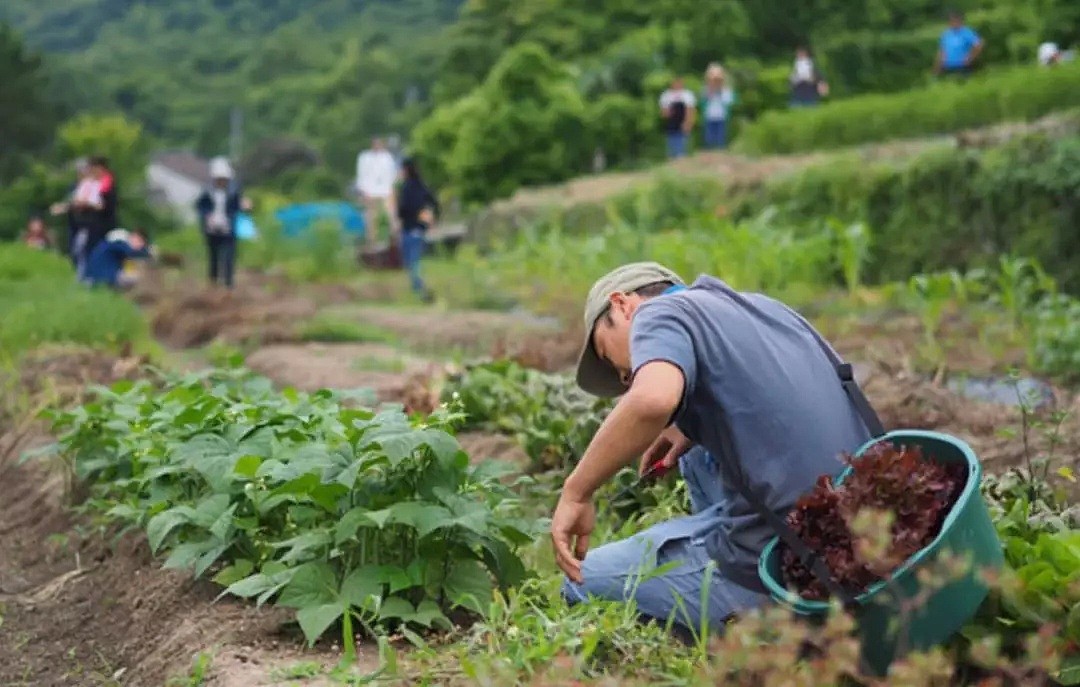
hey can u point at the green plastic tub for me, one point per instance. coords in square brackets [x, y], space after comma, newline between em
[967, 531]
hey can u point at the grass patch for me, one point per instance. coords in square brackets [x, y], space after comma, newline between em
[40, 303]
[327, 329]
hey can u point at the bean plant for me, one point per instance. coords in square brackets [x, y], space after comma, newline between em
[342, 513]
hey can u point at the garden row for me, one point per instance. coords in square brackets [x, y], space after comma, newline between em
[370, 522]
[368, 519]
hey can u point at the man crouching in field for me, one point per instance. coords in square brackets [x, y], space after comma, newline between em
[743, 377]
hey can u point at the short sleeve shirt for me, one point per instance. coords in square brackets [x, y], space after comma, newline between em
[677, 103]
[956, 45]
[762, 395]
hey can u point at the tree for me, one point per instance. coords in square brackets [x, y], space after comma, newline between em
[27, 118]
[527, 124]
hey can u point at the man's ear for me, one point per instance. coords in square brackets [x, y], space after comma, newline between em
[618, 301]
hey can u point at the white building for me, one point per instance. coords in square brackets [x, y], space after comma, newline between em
[175, 180]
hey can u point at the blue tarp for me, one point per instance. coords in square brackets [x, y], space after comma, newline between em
[297, 219]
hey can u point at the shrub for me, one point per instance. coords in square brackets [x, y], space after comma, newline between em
[1023, 93]
[949, 208]
[888, 61]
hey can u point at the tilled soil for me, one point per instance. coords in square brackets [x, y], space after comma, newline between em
[86, 611]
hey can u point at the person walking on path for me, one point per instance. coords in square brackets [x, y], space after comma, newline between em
[743, 395]
[678, 107]
[808, 86]
[417, 209]
[218, 207]
[958, 48]
[376, 172]
[717, 98]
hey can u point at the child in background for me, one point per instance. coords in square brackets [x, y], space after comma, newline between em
[37, 234]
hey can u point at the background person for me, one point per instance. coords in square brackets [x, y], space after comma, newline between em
[808, 86]
[218, 207]
[958, 47]
[67, 208]
[101, 207]
[678, 108]
[717, 98]
[376, 172]
[37, 234]
[105, 265]
[417, 209]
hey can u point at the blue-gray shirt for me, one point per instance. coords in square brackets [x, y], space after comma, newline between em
[756, 368]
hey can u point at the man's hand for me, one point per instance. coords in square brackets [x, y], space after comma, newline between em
[571, 526]
[665, 450]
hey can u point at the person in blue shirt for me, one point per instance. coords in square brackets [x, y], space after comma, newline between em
[106, 262]
[958, 47]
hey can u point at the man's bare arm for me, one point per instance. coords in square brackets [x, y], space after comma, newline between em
[631, 427]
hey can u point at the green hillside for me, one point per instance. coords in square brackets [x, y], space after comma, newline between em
[493, 94]
[330, 72]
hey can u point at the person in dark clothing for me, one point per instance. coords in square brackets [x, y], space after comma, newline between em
[103, 206]
[218, 208]
[106, 261]
[417, 208]
[808, 86]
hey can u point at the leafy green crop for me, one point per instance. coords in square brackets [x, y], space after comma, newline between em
[341, 513]
[550, 416]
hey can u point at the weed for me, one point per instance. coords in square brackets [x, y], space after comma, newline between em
[196, 675]
[298, 671]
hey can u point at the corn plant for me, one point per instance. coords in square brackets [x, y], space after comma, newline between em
[341, 513]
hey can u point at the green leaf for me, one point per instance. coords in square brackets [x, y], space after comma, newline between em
[313, 584]
[209, 557]
[165, 522]
[247, 466]
[351, 522]
[423, 517]
[507, 565]
[210, 510]
[264, 584]
[229, 575]
[360, 585]
[314, 620]
[303, 546]
[396, 607]
[428, 614]
[469, 585]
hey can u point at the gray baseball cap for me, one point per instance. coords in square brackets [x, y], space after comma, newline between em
[593, 374]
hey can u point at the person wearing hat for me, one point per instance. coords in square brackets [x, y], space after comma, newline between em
[218, 207]
[741, 378]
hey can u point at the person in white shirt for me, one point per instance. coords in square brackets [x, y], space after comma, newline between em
[677, 107]
[376, 171]
[1050, 54]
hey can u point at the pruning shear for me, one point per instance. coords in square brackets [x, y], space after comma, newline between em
[656, 469]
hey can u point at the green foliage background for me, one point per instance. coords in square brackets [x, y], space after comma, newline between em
[331, 73]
